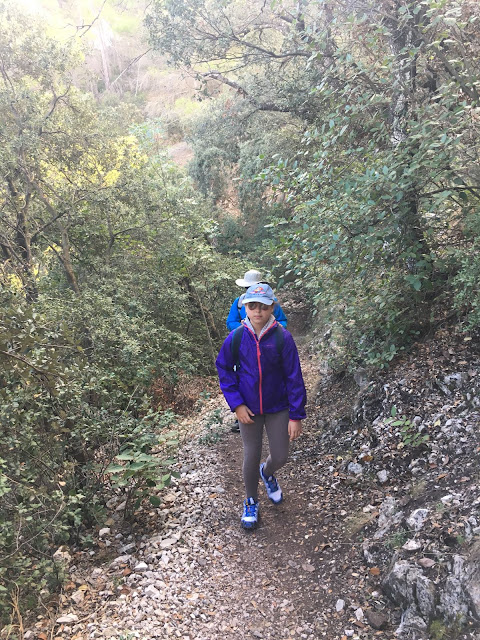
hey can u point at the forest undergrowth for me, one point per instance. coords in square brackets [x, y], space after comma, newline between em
[325, 556]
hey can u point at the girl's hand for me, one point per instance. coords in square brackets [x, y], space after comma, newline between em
[243, 414]
[294, 429]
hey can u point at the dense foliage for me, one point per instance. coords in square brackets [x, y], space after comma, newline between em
[335, 144]
[109, 284]
[374, 108]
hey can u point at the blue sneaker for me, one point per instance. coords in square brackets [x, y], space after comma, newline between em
[249, 519]
[271, 485]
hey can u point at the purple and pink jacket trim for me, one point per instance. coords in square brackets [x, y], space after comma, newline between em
[266, 382]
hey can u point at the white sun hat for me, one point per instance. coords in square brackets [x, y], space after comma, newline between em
[250, 277]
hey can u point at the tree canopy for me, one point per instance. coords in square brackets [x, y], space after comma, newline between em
[377, 107]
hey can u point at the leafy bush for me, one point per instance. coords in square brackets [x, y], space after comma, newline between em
[65, 414]
[466, 283]
[409, 435]
[137, 469]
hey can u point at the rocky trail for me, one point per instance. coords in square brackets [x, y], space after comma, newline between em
[378, 535]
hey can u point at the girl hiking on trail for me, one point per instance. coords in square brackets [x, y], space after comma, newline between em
[237, 313]
[261, 379]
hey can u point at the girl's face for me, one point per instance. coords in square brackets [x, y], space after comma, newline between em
[258, 314]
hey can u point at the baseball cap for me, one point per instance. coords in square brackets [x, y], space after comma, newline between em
[259, 293]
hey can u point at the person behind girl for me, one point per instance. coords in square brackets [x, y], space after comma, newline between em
[237, 311]
[264, 388]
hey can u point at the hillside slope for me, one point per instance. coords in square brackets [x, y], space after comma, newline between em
[377, 537]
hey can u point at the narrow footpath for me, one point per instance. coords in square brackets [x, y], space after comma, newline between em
[187, 570]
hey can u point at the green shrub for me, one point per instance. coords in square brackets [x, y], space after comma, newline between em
[66, 412]
[466, 283]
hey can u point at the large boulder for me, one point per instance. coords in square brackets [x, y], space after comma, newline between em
[400, 583]
[472, 581]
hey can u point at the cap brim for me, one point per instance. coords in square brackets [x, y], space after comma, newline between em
[262, 300]
[244, 283]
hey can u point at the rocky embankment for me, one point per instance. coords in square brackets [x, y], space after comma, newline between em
[425, 538]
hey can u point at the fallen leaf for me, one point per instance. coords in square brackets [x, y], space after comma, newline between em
[375, 571]
[426, 562]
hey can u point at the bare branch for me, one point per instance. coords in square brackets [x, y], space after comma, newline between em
[56, 100]
[266, 106]
[132, 62]
[87, 27]
[29, 363]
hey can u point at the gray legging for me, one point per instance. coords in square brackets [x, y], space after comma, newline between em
[276, 426]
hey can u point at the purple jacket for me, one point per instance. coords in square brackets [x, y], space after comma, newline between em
[266, 382]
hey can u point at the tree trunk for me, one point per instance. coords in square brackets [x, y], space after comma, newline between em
[206, 315]
[22, 241]
[104, 54]
[66, 258]
[402, 39]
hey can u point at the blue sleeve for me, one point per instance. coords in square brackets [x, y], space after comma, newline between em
[234, 319]
[279, 315]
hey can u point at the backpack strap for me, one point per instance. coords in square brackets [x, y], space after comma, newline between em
[235, 344]
[237, 338]
[279, 338]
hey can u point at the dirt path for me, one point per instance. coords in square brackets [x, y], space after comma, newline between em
[306, 552]
[187, 570]
[212, 579]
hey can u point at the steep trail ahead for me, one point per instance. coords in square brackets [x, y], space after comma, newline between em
[187, 570]
[192, 572]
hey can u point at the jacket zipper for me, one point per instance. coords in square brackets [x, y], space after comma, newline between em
[260, 377]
